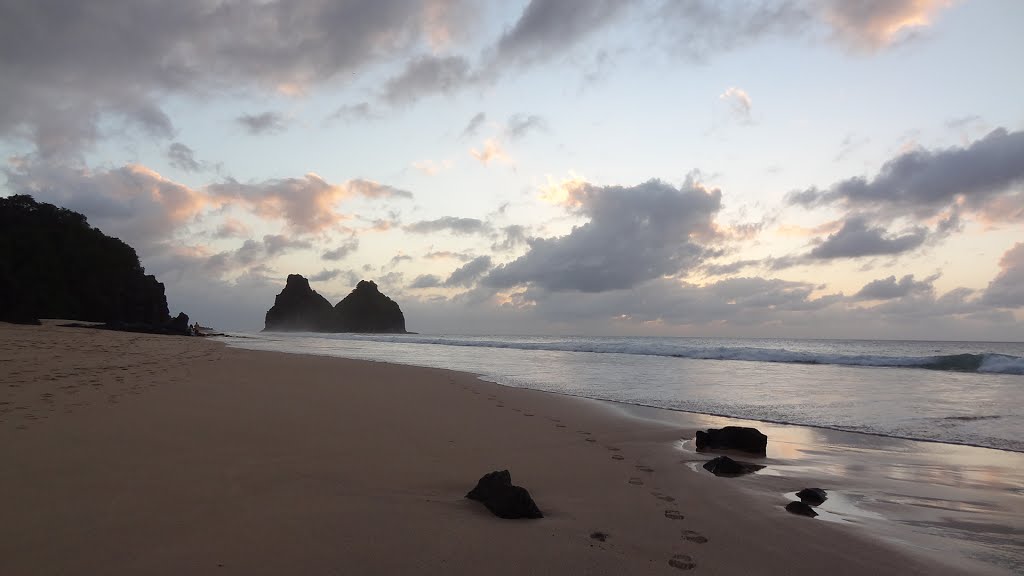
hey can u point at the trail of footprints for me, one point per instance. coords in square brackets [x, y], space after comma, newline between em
[678, 561]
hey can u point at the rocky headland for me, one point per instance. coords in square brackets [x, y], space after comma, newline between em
[53, 264]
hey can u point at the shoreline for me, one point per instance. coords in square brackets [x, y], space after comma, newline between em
[217, 401]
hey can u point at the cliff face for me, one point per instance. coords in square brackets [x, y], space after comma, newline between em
[299, 308]
[53, 264]
[366, 309]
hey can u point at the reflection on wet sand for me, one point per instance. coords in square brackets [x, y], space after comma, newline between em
[935, 498]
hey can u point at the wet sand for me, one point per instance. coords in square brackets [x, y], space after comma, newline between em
[139, 454]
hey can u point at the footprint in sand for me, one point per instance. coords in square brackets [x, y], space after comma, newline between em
[695, 537]
[618, 457]
[500, 405]
[663, 497]
[613, 449]
[516, 410]
[559, 425]
[682, 562]
[584, 432]
[527, 414]
[674, 515]
[599, 536]
[590, 440]
[636, 481]
[644, 468]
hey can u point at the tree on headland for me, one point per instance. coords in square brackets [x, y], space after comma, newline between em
[53, 264]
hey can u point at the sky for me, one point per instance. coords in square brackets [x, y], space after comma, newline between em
[748, 168]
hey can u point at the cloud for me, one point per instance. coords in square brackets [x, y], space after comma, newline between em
[549, 27]
[740, 102]
[468, 274]
[426, 281]
[431, 168]
[69, 65]
[889, 288]
[445, 254]
[263, 123]
[231, 228]
[183, 158]
[427, 74]
[133, 203]
[519, 125]
[1006, 290]
[633, 235]
[325, 275]
[455, 225]
[353, 112]
[251, 253]
[371, 189]
[474, 124]
[278, 244]
[308, 204]
[399, 258]
[511, 237]
[984, 178]
[490, 151]
[856, 239]
[339, 253]
[873, 25]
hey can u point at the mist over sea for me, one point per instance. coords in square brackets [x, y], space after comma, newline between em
[955, 392]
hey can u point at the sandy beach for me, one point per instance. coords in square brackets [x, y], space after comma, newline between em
[136, 454]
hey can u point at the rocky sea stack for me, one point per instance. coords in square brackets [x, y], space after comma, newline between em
[300, 308]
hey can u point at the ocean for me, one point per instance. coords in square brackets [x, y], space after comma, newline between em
[969, 393]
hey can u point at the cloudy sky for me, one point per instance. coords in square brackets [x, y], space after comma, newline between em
[806, 168]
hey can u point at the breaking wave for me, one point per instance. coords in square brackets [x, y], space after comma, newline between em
[977, 363]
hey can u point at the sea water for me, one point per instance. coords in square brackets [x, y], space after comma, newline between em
[953, 392]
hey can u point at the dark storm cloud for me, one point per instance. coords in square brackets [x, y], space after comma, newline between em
[549, 27]
[468, 274]
[339, 253]
[634, 234]
[460, 226]
[66, 63]
[889, 288]
[183, 157]
[520, 125]
[985, 177]
[427, 74]
[1006, 290]
[263, 123]
[856, 238]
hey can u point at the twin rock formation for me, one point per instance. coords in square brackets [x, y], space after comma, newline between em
[299, 308]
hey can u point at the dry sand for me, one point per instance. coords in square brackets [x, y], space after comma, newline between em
[137, 454]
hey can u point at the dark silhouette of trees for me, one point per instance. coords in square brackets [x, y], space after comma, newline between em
[53, 264]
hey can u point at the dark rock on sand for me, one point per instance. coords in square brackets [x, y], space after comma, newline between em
[299, 308]
[812, 496]
[725, 466]
[801, 509]
[53, 264]
[732, 438]
[495, 490]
